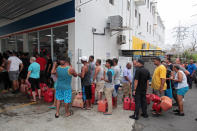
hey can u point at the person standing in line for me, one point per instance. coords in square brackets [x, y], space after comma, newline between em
[85, 76]
[92, 66]
[159, 80]
[48, 69]
[116, 81]
[33, 77]
[42, 61]
[26, 63]
[127, 81]
[63, 87]
[182, 88]
[191, 69]
[99, 78]
[54, 77]
[14, 67]
[141, 85]
[134, 70]
[109, 85]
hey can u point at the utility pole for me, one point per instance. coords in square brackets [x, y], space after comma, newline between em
[181, 33]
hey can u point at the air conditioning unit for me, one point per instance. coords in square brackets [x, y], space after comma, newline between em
[140, 2]
[115, 22]
[121, 39]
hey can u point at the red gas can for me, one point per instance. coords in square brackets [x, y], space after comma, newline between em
[155, 98]
[166, 103]
[102, 106]
[133, 104]
[49, 95]
[93, 93]
[126, 104]
[43, 88]
[156, 106]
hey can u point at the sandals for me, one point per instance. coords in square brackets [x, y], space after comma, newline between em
[56, 116]
[32, 100]
[156, 114]
[179, 114]
[71, 113]
[107, 113]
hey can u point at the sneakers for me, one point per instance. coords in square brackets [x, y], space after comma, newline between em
[134, 117]
[144, 115]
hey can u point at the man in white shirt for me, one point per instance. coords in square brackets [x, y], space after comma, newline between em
[116, 80]
[14, 67]
[127, 81]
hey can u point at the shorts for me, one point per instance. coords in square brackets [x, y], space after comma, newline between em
[115, 92]
[126, 89]
[182, 91]
[88, 92]
[100, 87]
[13, 75]
[35, 83]
[65, 95]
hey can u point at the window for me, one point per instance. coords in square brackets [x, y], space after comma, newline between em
[19, 43]
[45, 42]
[60, 41]
[33, 43]
[147, 26]
[148, 4]
[111, 2]
[135, 13]
[139, 19]
[128, 5]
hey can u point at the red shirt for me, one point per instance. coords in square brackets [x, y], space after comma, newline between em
[42, 62]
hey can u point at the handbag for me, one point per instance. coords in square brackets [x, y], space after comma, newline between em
[168, 92]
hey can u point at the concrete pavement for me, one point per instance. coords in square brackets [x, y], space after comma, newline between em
[37, 117]
[168, 121]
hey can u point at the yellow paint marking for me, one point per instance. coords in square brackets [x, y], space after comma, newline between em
[16, 107]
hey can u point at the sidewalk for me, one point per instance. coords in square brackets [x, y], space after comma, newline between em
[37, 117]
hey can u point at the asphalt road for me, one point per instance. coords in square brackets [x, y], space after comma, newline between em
[168, 121]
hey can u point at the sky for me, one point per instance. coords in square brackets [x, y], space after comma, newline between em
[174, 12]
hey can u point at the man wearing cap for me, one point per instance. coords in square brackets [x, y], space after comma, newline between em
[159, 77]
[141, 84]
[86, 81]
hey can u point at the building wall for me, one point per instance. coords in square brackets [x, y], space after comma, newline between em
[155, 35]
[95, 15]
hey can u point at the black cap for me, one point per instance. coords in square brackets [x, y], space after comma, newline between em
[157, 58]
[62, 58]
[140, 61]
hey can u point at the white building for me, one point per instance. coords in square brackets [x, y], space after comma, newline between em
[80, 27]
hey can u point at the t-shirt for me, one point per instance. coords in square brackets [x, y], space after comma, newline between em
[159, 73]
[15, 62]
[42, 62]
[35, 70]
[142, 75]
[92, 69]
[117, 75]
[191, 68]
[127, 72]
[49, 62]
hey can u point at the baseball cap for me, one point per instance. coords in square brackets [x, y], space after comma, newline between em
[84, 58]
[140, 61]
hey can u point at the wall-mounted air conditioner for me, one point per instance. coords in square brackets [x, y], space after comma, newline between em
[115, 22]
[140, 2]
[121, 39]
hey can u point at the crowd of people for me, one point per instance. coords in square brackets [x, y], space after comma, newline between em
[172, 80]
